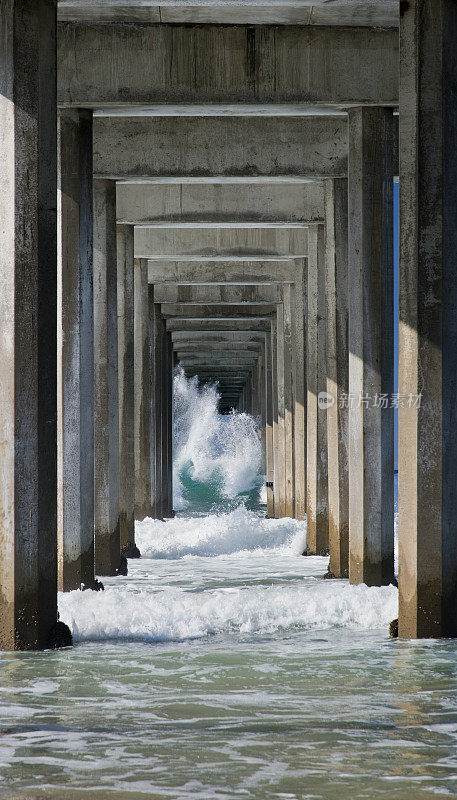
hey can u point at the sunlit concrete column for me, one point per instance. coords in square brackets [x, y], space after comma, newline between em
[280, 442]
[316, 470]
[125, 307]
[143, 391]
[76, 354]
[427, 464]
[300, 390]
[336, 286]
[158, 455]
[263, 409]
[107, 534]
[371, 358]
[289, 396]
[28, 313]
[269, 425]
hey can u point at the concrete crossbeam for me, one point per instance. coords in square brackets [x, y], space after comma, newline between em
[149, 147]
[242, 324]
[141, 64]
[224, 271]
[219, 202]
[167, 244]
[371, 13]
[228, 295]
[217, 310]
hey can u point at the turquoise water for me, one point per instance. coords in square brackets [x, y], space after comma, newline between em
[224, 666]
[264, 681]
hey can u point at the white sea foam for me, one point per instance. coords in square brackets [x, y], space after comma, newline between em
[175, 614]
[228, 533]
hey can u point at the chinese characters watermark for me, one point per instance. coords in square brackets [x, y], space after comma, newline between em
[366, 400]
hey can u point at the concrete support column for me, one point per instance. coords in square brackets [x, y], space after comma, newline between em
[143, 391]
[280, 441]
[336, 286]
[289, 396]
[300, 390]
[269, 425]
[157, 443]
[316, 470]
[427, 464]
[167, 412]
[28, 314]
[107, 533]
[371, 359]
[263, 409]
[125, 307]
[76, 354]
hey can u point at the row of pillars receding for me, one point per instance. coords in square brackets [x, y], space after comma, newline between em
[86, 359]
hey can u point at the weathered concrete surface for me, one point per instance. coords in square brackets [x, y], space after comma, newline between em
[217, 311]
[209, 294]
[126, 369]
[219, 202]
[167, 418]
[228, 271]
[223, 243]
[371, 13]
[218, 325]
[149, 147]
[336, 288]
[300, 389]
[76, 317]
[316, 470]
[120, 64]
[279, 432]
[371, 466]
[158, 442]
[166, 244]
[269, 454]
[28, 314]
[428, 338]
[218, 348]
[107, 530]
[214, 337]
[289, 396]
[143, 393]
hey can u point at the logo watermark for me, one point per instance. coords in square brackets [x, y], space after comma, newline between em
[366, 400]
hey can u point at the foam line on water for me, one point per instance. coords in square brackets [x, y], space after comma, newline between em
[175, 614]
[218, 534]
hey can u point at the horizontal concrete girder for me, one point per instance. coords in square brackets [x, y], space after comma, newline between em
[373, 13]
[165, 244]
[222, 272]
[217, 311]
[217, 347]
[143, 64]
[228, 295]
[242, 324]
[220, 202]
[233, 361]
[214, 337]
[145, 147]
[212, 355]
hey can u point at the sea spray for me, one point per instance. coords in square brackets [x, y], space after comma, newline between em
[216, 458]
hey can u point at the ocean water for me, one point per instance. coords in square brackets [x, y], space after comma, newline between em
[224, 666]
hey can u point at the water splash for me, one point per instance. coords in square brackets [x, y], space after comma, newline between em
[217, 457]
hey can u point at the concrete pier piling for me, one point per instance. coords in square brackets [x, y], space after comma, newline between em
[371, 357]
[427, 575]
[229, 212]
[28, 310]
[107, 509]
[76, 318]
